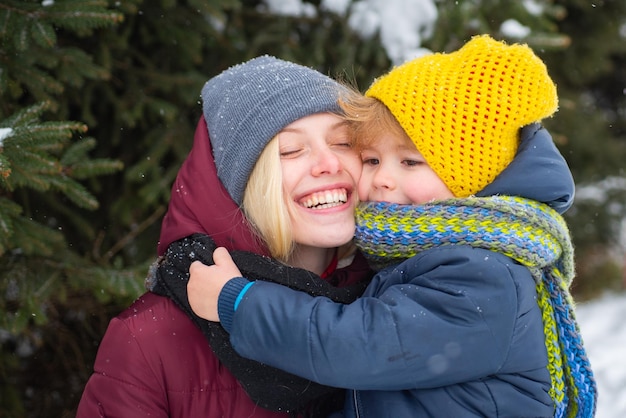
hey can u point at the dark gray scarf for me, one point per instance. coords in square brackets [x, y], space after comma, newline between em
[269, 387]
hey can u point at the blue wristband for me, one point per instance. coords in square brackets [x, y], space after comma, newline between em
[241, 294]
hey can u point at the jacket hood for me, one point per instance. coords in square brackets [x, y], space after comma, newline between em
[538, 172]
[199, 203]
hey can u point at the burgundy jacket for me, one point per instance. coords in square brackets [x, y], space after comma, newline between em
[153, 360]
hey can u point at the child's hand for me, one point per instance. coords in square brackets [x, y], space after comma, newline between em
[206, 283]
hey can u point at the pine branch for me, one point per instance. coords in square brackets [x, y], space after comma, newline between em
[76, 15]
[36, 155]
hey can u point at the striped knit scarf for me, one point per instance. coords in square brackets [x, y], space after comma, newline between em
[529, 232]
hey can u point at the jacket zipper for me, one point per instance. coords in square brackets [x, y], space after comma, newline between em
[357, 412]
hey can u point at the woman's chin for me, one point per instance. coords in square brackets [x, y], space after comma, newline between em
[325, 235]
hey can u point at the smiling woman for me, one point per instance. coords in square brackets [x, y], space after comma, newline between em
[272, 172]
[320, 169]
[313, 168]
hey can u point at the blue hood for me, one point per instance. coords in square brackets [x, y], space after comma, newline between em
[538, 172]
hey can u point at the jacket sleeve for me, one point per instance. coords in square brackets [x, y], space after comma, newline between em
[123, 384]
[428, 322]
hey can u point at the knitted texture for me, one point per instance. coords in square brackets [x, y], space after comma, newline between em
[267, 386]
[248, 104]
[463, 110]
[529, 232]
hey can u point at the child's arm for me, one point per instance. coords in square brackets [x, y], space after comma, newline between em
[397, 330]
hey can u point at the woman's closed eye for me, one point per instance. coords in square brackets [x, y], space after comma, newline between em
[290, 152]
[343, 144]
[341, 141]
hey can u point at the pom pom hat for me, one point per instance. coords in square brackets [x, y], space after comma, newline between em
[463, 110]
[248, 104]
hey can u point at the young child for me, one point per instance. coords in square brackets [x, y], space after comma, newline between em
[470, 313]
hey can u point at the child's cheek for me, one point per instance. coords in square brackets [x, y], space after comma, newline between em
[364, 187]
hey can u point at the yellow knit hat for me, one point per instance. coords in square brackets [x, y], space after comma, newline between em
[463, 110]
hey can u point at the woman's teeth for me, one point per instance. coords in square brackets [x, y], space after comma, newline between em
[325, 199]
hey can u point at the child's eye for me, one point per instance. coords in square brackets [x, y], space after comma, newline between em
[412, 163]
[371, 161]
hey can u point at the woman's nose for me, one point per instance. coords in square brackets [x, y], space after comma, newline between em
[326, 162]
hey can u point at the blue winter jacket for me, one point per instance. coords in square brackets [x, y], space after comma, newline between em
[452, 332]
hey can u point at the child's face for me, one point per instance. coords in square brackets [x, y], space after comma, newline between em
[396, 172]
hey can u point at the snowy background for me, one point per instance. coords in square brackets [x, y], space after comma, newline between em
[604, 333]
[403, 24]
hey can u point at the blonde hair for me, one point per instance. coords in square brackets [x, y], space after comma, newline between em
[369, 119]
[264, 203]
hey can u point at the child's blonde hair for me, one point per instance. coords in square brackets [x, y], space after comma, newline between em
[369, 119]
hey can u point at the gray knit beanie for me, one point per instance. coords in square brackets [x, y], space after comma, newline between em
[248, 104]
